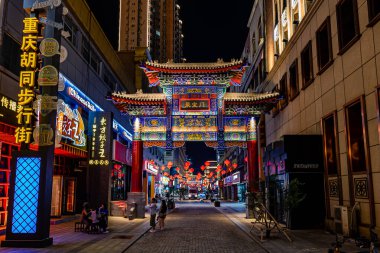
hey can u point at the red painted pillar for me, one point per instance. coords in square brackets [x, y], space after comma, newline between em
[253, 166]
[253, 157]
[137, 166]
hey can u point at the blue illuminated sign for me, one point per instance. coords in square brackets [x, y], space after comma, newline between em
[27, 183]
[79, 96]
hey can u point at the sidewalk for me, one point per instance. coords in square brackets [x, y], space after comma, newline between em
[303, 240]
[123, 233]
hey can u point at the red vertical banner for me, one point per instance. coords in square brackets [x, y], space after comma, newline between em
[253, 166]
[137, 166]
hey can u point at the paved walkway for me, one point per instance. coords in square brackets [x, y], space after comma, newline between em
[191, 227]
[197, 228]
[122, 233]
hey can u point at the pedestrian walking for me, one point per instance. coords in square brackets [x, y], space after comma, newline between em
[162, 214]
[153, 211]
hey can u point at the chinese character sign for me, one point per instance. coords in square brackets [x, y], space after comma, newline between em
[28, 63]
[100, 129]
[8, 109]
[194, 104]
[70, 125]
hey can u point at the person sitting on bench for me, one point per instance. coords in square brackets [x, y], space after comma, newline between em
[84, 216]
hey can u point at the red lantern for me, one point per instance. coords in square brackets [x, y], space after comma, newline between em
[177, 169]
[235, 165]
[207, 163]
[203, 167]
[187, 164]
[246, 159]
[170, 164]
[191, 170]
[223, 172]
[227, 162]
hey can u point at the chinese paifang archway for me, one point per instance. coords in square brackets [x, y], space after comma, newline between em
[194, 106]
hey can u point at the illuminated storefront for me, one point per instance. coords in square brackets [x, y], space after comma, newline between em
[151, 171]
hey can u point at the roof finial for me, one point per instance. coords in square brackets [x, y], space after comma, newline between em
[139, 91]
[220, 60]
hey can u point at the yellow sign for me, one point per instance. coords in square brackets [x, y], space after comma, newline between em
[28, 60]
[48, 76]
[49, 47]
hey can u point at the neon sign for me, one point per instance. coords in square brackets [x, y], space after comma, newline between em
[70, 125]
[101, 129]
[28, 61]
[74, 94]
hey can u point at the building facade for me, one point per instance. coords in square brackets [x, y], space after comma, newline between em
[323, 56]
[152, 24]
[91, 68]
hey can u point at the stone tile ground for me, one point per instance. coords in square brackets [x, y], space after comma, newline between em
[191, 227]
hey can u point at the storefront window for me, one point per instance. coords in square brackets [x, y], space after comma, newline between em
[355, 137]
[329, 141]
[118, 182]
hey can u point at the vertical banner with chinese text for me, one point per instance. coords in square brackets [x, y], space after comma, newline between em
[100, 156]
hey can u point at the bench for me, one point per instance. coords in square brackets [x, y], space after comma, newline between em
[94, 228]
[79, 226]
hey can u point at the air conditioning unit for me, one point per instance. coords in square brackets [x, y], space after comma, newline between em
[342, 218]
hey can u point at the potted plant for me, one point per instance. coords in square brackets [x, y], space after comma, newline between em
[293, 197]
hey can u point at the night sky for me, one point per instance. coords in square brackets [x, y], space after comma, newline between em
[212, 28]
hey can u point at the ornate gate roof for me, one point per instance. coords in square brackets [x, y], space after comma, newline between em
[194, 105]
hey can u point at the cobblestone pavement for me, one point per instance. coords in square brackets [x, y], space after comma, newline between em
[197, 227]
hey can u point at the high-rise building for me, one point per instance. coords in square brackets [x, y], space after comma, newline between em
[153, 24]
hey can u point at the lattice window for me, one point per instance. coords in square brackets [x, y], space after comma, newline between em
[27, 184]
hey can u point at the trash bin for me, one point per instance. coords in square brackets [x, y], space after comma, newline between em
[131, 211]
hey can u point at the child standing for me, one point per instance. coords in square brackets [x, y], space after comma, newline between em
[153, 211]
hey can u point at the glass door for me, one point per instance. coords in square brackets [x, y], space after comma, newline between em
[69, 195]
[56, 199]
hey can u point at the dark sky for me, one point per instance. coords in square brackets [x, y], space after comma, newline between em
[212, 28]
